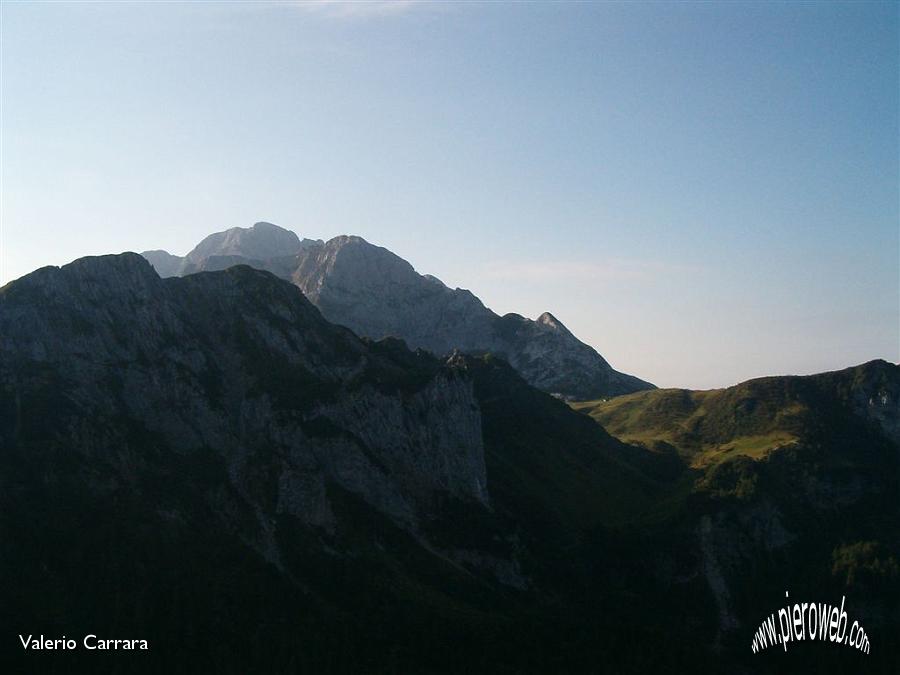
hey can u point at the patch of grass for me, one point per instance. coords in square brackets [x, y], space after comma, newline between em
[706, 426]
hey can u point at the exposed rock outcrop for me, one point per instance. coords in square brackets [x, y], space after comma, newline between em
[243, 364]
[378, 294]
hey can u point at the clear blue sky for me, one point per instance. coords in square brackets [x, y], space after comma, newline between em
[705, 192]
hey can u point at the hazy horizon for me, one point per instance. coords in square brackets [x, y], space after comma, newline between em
[703, 193]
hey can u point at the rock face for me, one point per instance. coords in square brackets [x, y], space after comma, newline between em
[209, 452]
[186, 357]
[260, 242]
[378, 294]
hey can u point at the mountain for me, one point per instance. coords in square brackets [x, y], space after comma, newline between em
[260, 242]
[378, 294]
[207, 463]
[256, 246]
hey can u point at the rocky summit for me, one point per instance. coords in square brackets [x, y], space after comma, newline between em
[378, 294]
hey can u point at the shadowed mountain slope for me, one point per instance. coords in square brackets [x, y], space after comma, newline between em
[790, 482]
[208, 463]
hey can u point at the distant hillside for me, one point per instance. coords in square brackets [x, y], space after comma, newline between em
[788, 484]
[754, 417]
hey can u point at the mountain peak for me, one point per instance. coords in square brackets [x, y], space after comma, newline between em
[115, 271]
[100, 279]
[122, 263]
[367, 262]
[547, 319]
[343, 241]
[263, 226]
[378, 294]
[260, 242]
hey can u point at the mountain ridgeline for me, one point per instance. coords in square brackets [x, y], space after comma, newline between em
[207, 462]
[378, 294]
[755, 417]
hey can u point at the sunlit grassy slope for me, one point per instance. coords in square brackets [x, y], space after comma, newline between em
[752, 418]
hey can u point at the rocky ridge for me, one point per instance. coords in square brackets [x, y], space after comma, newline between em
[378, 294]
[277, 378]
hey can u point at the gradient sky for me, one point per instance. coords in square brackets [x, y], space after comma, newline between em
[705, 192]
